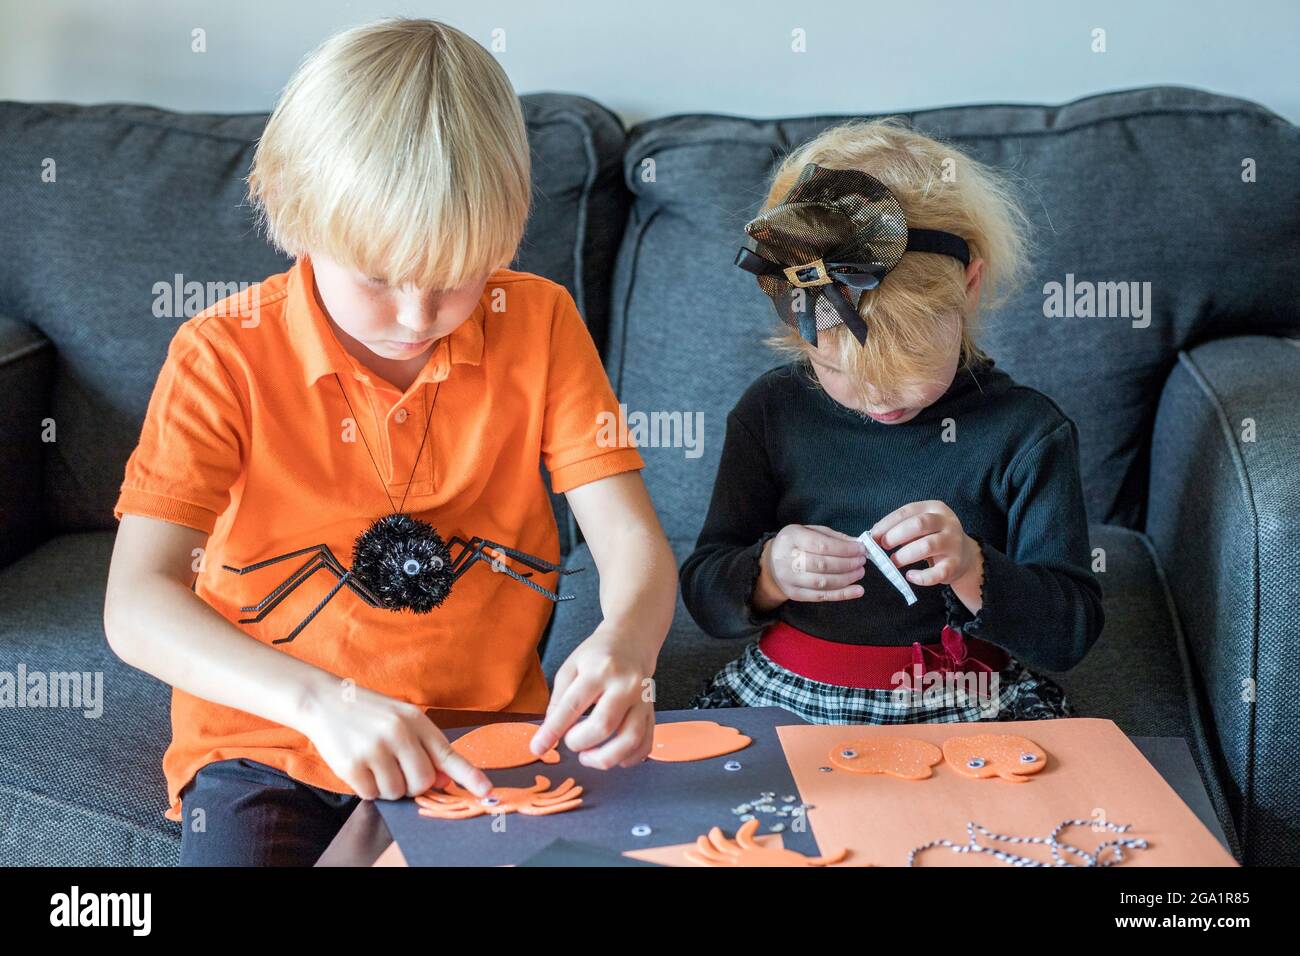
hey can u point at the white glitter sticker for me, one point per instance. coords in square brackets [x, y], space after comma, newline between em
[886, 566]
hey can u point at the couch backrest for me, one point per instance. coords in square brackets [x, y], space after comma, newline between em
[1137, 186]
[142, 195]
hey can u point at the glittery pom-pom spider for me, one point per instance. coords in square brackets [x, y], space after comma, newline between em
[399, 563]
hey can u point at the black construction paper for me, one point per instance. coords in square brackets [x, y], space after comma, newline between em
[678, 801]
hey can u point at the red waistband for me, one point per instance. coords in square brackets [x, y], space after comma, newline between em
[872, 666]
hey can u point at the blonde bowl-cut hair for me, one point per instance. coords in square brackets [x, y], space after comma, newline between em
[398, 149]
[909, 315]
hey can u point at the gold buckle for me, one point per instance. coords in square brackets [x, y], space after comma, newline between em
[818, 269]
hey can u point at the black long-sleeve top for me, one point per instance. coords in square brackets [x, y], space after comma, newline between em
[1002, 456]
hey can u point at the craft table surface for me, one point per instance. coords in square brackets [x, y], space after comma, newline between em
[365, 836]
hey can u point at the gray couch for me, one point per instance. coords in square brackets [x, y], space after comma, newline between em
[1194, 513]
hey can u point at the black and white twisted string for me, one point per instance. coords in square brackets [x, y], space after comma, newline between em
[1096, 858]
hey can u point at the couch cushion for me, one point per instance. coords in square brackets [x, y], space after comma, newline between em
[78, 790]
[143, 195]
[1138, 186]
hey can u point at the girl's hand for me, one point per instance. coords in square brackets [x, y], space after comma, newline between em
[929, 531]
[809, 563]
[382, 747]
[610, 670]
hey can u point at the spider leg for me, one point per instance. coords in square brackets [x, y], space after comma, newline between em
[529, 560]
[478, 555]
[347, 576]
[525, 559]
[357, 588]
[323, 557]
[467, 549]
[269, 561]
[272, 600]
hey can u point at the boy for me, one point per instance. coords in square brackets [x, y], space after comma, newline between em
[395, 170]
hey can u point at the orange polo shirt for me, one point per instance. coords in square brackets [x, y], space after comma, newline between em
[249, 439]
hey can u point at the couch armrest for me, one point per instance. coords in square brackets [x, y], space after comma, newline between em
[26, 379]
[1223, 513]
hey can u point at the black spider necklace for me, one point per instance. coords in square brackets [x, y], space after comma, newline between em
[399, 562]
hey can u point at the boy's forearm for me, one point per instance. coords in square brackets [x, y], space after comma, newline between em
[170, 632]
[638, 586]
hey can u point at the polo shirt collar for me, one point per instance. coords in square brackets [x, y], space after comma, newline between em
[321, 353]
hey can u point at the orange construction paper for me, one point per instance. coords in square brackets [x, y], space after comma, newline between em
[695, 740]
[456, 803]
[501, 746]
[675, 854]
[717, 850]
[1096, 773]
[904, 757]
[1006, 756]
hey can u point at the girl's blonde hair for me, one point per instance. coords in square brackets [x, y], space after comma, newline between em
[398, 149]
[909, 314]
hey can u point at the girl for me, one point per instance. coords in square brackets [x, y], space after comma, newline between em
[875, 244]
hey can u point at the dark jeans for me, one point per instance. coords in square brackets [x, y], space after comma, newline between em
[255, 815]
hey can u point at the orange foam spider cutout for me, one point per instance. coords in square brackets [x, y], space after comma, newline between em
[538, 800]
[1006, 756]
[501, 746]
[695, 740]
[717, 850]
[904, 757]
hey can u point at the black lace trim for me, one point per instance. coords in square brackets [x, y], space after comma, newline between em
[959, 616]
[756, 569]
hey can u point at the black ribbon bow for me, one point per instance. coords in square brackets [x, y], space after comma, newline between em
[835, 235]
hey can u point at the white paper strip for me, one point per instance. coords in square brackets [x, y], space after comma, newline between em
[881, 560]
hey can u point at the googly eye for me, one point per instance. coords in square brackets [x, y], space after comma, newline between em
[975, 763]
[1028, 758]
[848, 754]
[435, 562]
[411, 567]
[641, 830]
[490, 801]
[732, 765]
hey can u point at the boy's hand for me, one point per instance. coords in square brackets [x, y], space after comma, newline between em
[809, 563]
[607, 670]
[929, 530]
[383, 747]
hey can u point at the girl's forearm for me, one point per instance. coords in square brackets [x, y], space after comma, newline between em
[170, 632]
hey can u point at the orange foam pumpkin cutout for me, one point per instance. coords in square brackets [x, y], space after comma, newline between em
[717, 850]
[456, 803]
[904, 757]
[695, 740]
[501, 746]
[1006, 756]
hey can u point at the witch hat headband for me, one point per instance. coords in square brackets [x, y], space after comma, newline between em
[836, 234]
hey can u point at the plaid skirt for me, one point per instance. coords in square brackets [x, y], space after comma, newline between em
[755, 680]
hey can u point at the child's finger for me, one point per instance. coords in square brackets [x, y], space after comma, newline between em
[911, 528]
[939, 573]
[816, 540]
[834, 532]
[547, 736]
[808, 594]
[565, 710]
[826, 582]
[603, 722]
[918, 549]
[803, 562]
[627, 745]
[879, 529]
[449, 762]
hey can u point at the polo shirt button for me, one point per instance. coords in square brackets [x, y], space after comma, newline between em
[400, 416]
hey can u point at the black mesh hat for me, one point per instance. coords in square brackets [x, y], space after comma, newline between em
[836, 234]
